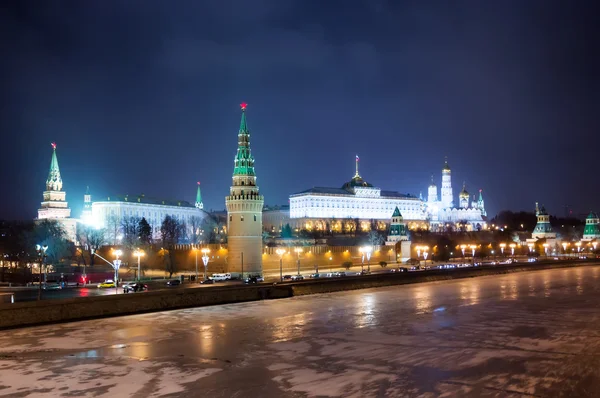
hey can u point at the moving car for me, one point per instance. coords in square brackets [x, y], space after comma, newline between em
[174, 282]
[207, 281]
[106, 284]
[315, 275]
[134, 287]
[297, 277]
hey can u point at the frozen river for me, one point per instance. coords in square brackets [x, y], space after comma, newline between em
[526, 334]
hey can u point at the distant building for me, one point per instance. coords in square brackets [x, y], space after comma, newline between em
[55, 206]
[543, 229]
[592, 227]
[112, 212]
[398, 231]
[442, 213]
[275, 218]
[336, 209]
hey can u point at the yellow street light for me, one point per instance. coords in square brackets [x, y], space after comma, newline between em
[138, 253]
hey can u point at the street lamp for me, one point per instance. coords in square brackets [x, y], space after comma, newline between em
[502, 246]
[594, 244]
[512, 249]
[473, 247]
[41, 251]
[546, 249]
[205, 258]
[116, 266]
[195, 249]
[138, 253]
[368, 251]
[298, 250]
[578, 244]
[530, 245]
[462, 248]
[280, 252]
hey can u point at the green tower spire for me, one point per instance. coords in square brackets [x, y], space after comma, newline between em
[54, 181]
[244, 161]
[199, 203]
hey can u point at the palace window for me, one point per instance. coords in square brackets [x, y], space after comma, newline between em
[255, 217]
[242, 218]
[230, 218]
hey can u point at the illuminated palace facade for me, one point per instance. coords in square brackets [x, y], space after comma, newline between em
[338, 209]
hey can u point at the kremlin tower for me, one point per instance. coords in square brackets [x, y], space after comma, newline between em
[54, 205]
[199, 204]
[244, 210]
[446, 199]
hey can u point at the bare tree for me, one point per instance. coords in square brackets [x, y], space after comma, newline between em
[91, 239]
[171, 232]
[375, 238]
[197, 232]
[113, 225]
[130, 229]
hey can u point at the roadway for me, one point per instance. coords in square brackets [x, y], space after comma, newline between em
[525, 334]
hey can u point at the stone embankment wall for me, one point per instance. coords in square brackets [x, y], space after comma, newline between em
[54, 311]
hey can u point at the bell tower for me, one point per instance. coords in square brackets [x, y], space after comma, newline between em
[244, 209]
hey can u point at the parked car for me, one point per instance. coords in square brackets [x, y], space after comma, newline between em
[297, 277]
[254, 279]
[134, 287]
[208, 281]
[106, 284]
[174, 282]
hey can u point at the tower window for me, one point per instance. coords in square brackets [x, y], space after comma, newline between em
[230, 218]
[242, 218]
[255, 217]
[242, 182]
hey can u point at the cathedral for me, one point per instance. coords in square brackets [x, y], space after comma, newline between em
[442, 212]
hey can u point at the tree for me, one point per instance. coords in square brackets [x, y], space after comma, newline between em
[91, 238]
[383, 264]
[49, 233]
[375, 238]
[144, 231]
[113, 225]
[347, 264]
[286, 231]
[171, 232]
[129, 227]
[197, 232]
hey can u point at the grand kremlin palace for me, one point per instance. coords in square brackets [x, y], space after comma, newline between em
[337, 209]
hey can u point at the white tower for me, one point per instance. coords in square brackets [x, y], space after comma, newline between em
[432, 192]
[86, 214]
[447, 201]
[244, 210]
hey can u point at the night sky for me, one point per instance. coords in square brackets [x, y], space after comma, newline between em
[142, 96]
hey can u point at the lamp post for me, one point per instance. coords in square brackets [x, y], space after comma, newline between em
[502, 246]
[117, 265]
[473, 247]
[41, 251]
[298, 251]
[594, 244]
[138, 253]
[462, 249]
[578, 244]
[205, 259]
[195, 249]
[280, 252]
[368, 251]
[530, 245]
[512, 249]
[546, 249]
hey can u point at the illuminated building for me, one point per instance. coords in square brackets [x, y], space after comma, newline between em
[442, 213]
[54, 206]
[592, 227]
[244, 209]
[337, 208]
[543, 229]
[112, 212]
